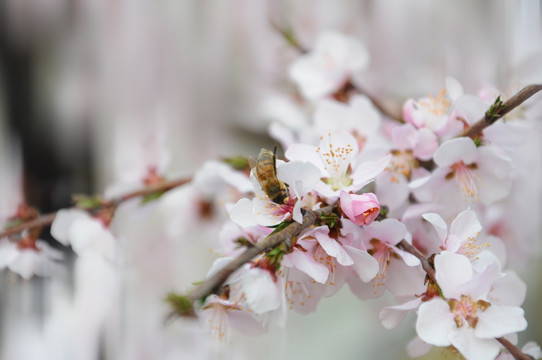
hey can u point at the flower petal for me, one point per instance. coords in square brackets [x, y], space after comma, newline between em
[466, 225]
[306, 263]
[334, 249]
[455, 150]
[439, 225]
[435, 321]
[452, 270]
[261, 292]
[498, 320]
[473, 348]
[64, 219]
[369, 170]
[364, 264]
[392, 316]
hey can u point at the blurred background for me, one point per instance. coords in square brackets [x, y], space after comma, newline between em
[94, 92]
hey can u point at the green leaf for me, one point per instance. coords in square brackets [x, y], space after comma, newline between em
[180, 304]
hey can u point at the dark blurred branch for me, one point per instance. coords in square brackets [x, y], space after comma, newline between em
[499, 109]
[47, 219]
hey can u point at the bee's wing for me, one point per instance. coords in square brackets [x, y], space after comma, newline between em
[251, 162]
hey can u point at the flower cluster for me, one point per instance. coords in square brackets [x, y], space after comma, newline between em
[413, 208]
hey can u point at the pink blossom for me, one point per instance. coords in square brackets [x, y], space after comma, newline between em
[37, 260]
[467, 319]
[335, 156]
[333, 60]
[465, 174]
[361, 209]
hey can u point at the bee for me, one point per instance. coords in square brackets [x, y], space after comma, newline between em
[266, 173]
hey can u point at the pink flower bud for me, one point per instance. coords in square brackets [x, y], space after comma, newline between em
[361, 209]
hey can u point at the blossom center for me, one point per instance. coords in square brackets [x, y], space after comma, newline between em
[382, 254]
[466, 179]
[297, 293]
[336, 160]
[466, 310]
[321, 256]
[402, 163]
[435, 105]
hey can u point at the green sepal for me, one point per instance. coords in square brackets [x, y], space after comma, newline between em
[180, 304]
[440, 293]
[495, 108]
[275, 255]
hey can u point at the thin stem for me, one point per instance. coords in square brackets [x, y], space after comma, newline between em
[48, 219]
[289, 36]
[512, 103]
[425, 263]
[43, 220]
[513, 349]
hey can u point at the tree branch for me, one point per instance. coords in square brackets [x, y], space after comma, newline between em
[495, 113]
[214, 283]
[48, 219]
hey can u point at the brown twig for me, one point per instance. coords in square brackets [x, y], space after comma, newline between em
[47, 219]
[513, 349]
[403, 244]
[495, 114]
